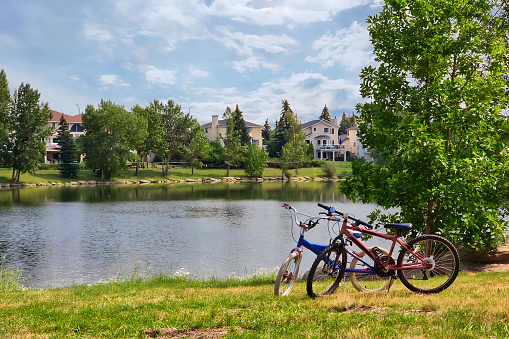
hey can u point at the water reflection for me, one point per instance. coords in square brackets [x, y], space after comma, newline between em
[74, 235]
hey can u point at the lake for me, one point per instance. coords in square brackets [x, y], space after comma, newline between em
[64, 235]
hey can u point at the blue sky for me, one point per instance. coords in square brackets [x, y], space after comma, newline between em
[203, 54]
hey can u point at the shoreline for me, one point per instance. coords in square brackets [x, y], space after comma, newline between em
[173, 181]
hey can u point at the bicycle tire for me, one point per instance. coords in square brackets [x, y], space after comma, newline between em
[438, 250]
[327, 271]
[287, 274]
[369, 281]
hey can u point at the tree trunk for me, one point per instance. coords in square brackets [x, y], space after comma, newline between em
[429, 221]
[137, 167]
[13, 177]
[227, 170]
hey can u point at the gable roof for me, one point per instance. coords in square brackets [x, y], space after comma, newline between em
[316, 122]
[222, 123]
[55, 117]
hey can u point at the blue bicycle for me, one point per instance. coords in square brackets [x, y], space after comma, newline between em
[361, 272]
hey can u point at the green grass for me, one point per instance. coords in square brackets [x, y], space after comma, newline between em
[153, 174]
[475, 306]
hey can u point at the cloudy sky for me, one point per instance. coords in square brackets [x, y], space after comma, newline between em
[203, 54]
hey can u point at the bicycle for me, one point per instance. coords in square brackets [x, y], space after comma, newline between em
[289, 271]
[426, 264]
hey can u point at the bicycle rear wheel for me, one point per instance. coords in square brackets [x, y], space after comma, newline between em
[438, 251]
[287, 274]
[327, 271]
[364, 278]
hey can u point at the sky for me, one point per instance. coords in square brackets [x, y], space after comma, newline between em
[203, 54]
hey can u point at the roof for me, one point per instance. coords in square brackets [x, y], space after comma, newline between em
[322, 137]
[222, 123]
[55, 117]
[316, 122]
[352, 128]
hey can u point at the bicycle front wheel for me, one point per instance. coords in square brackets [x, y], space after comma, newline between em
[287, 274]
[327, 271]
[440, 253]
[363, 277]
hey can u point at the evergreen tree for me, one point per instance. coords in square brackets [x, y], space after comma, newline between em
[281, 130]
[346, 122]
[266, 131]
[325, 114]
[295, 150]
[238, 123]
[68, 154]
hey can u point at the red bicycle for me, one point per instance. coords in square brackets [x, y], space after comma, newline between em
[426, 264]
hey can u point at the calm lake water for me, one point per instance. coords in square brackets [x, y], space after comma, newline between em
[59, 236]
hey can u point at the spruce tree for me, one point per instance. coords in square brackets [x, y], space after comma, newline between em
[67, 166]
[325, 114]
[5, 109]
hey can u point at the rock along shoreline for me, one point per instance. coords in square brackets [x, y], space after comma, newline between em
[173, 181]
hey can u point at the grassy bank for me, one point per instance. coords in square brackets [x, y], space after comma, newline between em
[476, 306]
[153, 174]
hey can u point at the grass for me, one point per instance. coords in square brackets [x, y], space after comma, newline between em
[153, 174]
[475, 306]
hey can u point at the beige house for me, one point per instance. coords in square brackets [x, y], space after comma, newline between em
[353, 145]
[323, 135]
[76, 127]
[216, 130]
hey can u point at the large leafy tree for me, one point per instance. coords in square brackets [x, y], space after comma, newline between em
[110, 138]
[150, 132]
[176, 126]
[68, 155]
[5, 111]
[433, 111]
[295, 151]
[29, 120]
[196, 147]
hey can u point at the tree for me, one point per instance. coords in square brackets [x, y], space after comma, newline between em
[5, 111]
[68, 154]
[238, 123]
[434, 113]
[150, 132]
[325, 114]
[281, 130]
[256, 161]
[196, 146]
[233, 149]
[266, 131]
[29, 119]
[346, 122]
[110, 137]
[295, 150]
[177, 125]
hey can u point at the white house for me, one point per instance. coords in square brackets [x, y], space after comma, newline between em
[323, 135]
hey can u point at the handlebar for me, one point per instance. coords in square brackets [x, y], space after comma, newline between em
[332, 209]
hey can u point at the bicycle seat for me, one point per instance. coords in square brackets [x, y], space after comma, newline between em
[401, 227]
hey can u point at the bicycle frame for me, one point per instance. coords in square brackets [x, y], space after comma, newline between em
[395, 239]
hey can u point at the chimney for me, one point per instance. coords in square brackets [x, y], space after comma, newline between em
[213, 129]
[335, 120]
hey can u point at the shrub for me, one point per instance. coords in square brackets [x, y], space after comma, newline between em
[255, 161]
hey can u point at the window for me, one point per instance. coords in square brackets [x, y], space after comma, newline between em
[318, 142]
[326, 130]
[76, 128]
[332, 131]
[254, 141]
[206, 130]
[314, 129]
[307, 142]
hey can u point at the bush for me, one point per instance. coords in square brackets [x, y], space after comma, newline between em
[255, 161]
[328, 170]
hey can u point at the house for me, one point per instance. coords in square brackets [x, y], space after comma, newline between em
[76, 127]
[216, 130]
[323, 135]
[354, 146]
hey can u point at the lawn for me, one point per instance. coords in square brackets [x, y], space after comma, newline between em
[343, 169]
[475, 306]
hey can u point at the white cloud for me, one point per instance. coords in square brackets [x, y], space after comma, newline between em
[253, 63]
[160, 76]
[246, 44]
[94, 31]
[351, 47]
[112, 80]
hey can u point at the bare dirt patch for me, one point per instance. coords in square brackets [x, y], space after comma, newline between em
[494, 261]
[195, 333]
